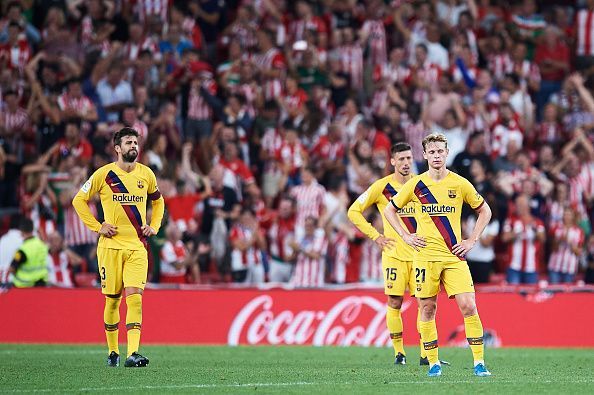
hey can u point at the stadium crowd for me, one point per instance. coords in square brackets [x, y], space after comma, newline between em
[264, 119]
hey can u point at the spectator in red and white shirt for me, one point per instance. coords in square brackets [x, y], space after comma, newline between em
[328, 153]
[15, 53]
[292, 101]
[74, 104]
[310, 199]
[248, 246]
[138, 42]
[281, 235]
[371, 257]
[291, 156]
[271, 65]
[505, 130]
[351, 55]
[176, 260]
[60, 262]
[306, 20]
[526, 235]
[231, 160]
[310, 249]
[568, 242]
[584, 22]
[71, 150]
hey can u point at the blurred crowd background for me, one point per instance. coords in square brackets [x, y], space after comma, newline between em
[264, 119]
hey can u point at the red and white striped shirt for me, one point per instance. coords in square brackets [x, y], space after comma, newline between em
[298, 27]
[371, 262]
[133, 49]
[564, 259]
[339, 253]
[555, 213]
[198, 108]
[585, 33]
[60, 269]
[502, 135]
[376, 40]
[415, 133]
[15, 56]
[15, 121]
[87, 30]
[310, 200]
[586, 177]
[291, 155]
[394, 73]
[525, 249]
[379, 102]
[271, 59]
[75, 231]
[352, 63]
[310, 272]
[577, 196]
[250, 257]
[280, 235]
[171, 253]
[147, 8]
[499, 65]
[428, 73]
[548, 132]
[82, 104]
[326, 149]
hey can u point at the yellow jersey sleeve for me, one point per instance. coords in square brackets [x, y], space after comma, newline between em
[86, 192]
[405, 194]
[363, 202]
[154, 195]
[470, 194]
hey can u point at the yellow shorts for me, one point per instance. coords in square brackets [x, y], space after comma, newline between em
[397, 276]
[120, 269]
[455, 277]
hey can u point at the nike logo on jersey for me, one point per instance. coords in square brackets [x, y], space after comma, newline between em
[423, 195]
[114, 184]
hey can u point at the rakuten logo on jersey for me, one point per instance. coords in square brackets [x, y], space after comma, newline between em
[354, 320]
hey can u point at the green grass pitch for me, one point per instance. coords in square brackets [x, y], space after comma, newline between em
[290, 370]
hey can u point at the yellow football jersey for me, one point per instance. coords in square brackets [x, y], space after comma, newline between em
[380, 193]
[124, 197]
[438, 207]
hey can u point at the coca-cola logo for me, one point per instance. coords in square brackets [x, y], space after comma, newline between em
[353, 320]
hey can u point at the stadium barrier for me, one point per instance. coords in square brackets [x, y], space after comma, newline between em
[277, 316]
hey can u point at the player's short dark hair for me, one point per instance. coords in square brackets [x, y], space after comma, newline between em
[26, 225]
[123, 132]
[401, 146]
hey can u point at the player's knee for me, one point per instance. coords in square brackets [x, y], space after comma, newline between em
[132, 291]
[395, 302]
[428, 310]
[467, 308]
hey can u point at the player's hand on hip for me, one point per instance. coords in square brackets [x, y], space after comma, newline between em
[108, 230]
[148, 231]
[414, 241]
[385, 242]
[462, 248]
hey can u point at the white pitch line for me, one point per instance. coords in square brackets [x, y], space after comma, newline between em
[483, 381]
[59, 352]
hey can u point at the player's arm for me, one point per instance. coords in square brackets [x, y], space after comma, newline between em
[158, 208]
[391, 213]
[81, 206]
[18, 260]
[476, 201]
[355, 214]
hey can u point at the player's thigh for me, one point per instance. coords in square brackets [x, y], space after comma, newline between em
[110, 262]
[396, 276]
[427, 277]
[456, 278]
[135, 268]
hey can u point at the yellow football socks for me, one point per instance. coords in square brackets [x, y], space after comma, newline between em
[111, 319]
[133, 321]
[423, 352]
[394, 324]
[429, 337]
[474, 335]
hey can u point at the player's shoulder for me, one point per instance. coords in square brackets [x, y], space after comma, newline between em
[144, 169]
[457, 178]
[381, 183]
[103, 170]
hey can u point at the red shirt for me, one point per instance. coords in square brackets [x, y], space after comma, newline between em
[82, 150]
[559, 52]
[240, 169]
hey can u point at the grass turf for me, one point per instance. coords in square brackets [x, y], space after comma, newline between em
[289, 370]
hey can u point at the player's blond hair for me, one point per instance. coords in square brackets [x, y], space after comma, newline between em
[434, 138]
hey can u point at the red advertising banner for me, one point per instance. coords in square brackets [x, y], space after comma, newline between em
[311, 317]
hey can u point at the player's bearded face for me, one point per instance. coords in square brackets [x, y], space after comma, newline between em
[402, 161]
[130, 155]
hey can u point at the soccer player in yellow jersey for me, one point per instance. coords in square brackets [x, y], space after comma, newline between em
[397, 256]
[438, 195]
[124, 187]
